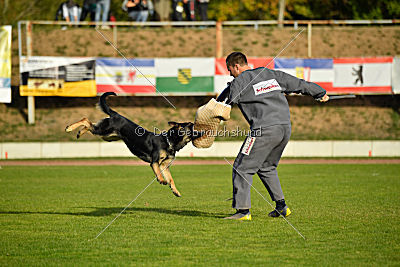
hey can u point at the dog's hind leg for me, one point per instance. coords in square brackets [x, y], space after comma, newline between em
[156, 169]
[82, 132]
[167, 174]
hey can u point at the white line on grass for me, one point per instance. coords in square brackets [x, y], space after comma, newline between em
[105, 228]
[122, 55]
[266, 199]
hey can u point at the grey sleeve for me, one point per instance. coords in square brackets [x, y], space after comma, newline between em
[224, 95]
[292, 84]
[234, 92]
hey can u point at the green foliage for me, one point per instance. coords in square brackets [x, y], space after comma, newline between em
[50, 215]
[343, 9]
[221, 10]
[304, 9]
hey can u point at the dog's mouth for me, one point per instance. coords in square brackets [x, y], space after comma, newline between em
[182, 133]
[188, 132]
[195, 133]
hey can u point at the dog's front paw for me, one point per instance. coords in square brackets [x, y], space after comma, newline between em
[176, 193]
[68, 129]
[163, 182]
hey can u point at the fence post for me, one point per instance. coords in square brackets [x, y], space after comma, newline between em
[219, 43]
[31, 99]
[281, 15]
[309, 35]
[115, 39]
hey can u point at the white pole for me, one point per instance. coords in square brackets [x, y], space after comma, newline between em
[281, 15]
[31, 99]
[309, 40]
[115, 39]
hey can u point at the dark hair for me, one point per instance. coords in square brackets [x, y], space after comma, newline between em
[236, 58]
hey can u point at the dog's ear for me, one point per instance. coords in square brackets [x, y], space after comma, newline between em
[172, 123]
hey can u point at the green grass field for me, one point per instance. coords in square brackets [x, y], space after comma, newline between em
[349, 215]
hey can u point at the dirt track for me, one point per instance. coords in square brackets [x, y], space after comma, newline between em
[130, 162]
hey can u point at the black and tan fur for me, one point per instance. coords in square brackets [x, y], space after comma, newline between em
[157, 149]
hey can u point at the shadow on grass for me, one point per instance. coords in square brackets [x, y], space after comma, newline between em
[98, 212]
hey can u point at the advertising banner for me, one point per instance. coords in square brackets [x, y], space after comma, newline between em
[319, 71]
[57, 76]
[363, 75]
[396, 75]
[5, 64]
[125, 76]
[185, 75]
[222, 76]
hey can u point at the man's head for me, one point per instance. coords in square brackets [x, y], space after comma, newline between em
[236, 63]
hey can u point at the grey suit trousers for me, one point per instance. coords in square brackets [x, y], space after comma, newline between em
[259, 154]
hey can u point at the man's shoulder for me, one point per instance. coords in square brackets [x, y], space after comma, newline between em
[260, 72]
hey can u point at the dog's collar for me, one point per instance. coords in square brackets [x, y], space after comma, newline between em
[169, 143]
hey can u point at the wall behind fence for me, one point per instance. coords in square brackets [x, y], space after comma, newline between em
[46, 150]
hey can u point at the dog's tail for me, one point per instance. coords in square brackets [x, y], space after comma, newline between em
[103, 104]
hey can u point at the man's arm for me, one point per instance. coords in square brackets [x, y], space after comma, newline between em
[292, 84]
[224, 95]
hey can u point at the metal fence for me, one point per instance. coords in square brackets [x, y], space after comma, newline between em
[218, 27]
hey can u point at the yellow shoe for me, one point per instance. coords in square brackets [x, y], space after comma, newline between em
[284, 212]
[240, 217]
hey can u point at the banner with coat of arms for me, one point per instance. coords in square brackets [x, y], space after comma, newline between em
[371, 75]
[316, 70]
[186, 75]
[125, 76]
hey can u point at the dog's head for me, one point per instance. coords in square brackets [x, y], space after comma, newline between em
[181, 133]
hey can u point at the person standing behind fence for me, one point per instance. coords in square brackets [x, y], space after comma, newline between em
[202, 6]
[138, 10]
[88, 7]
[102, 10]
[68, 10]
[177, 10]
[162, 8]
[188, 6]
[148, 9]
[180, 6]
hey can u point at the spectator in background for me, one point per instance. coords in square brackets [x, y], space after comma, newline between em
[148, 9]
[180, 6]
[188, 6]
[88, 7]
[138, 10]
[102, 10]
[70, 11]
[177, 10]
[162, 8]
[202, 8]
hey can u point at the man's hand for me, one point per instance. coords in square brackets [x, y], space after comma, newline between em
[325, 98]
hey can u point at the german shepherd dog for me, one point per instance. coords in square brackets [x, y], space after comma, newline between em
[157, 149]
